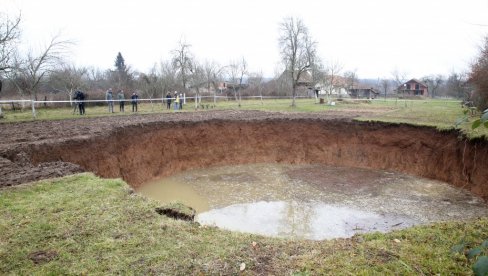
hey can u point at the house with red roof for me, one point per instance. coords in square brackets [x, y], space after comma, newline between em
[413, 87]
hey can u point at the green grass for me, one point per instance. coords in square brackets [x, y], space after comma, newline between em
[441, 114]
[436, 113]
[88, 225]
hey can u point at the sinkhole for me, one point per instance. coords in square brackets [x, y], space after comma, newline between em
[292, 176]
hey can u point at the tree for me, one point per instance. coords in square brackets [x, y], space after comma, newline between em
[385, 85]
[30, 71]
[298, 50]
[68, 78]
[255, 81]
[237, 70]
[399, 78]
[197, 80]
[479, 77]
[433, 82]
[120, 62]
[182, 60]
[331, 77]
[351, 80]
[9, 37]
[123, 74]
[456, 86]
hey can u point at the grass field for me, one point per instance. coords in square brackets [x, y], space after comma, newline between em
[82, 224]
[441, 114]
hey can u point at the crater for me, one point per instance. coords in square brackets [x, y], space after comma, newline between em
[140, 149]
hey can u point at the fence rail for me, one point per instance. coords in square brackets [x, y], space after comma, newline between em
[206, 100]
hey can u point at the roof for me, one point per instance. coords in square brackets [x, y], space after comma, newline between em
[412, 81]
[418, 81]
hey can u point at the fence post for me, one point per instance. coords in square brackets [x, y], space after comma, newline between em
[33, 109]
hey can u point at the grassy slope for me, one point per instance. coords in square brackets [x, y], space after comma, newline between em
[97, 226]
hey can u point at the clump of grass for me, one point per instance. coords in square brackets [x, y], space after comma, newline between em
[177, 210]
[82, 224]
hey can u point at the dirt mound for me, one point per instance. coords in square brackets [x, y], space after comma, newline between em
[139, 148]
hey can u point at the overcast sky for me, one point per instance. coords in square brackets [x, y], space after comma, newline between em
[375, 37]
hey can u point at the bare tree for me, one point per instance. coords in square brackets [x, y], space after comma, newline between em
[9, 35]
[34, 68]
[296, 48]
[399, 78]
[212, 74]
[385, 85]
[197, 80]
[456, 85]
[182, 60]
[255, 81]
[168, 77]
[331, 77]
[236, 72]
[149, 83]
[68, 78]
[95, 79]
[351, 80]
[433, 82]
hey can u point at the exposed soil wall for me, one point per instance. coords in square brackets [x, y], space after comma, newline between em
[141, 152]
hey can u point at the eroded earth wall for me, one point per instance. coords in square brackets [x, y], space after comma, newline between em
[142, 152]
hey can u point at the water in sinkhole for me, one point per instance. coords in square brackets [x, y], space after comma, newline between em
[312, 201]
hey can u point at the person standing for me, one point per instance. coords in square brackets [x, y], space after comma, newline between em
[121, 98]
[168, 101]
[109, 97]
[177, 101]
[134, 101]
[80, 100]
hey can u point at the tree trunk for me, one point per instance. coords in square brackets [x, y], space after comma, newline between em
[196, 99]
[294, 93]
[239, 97]
[70, 96]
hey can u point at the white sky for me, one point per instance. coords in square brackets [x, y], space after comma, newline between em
[375, 37]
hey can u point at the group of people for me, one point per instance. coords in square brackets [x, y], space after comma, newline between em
[177, 103]
[109, 97]
[176, 99]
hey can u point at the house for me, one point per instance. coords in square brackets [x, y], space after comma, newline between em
[227, 86]
[332, 86]
[413, 87]
[362, 91]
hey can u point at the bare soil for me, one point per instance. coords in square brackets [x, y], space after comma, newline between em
[138, 148]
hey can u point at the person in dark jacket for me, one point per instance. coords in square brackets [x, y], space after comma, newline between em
[134, 101]
[80, 99]
[168, 101]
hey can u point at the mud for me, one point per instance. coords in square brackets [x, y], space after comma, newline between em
[312, 201]
[142, 147]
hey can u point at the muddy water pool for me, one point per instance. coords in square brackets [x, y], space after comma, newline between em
[312, 201]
